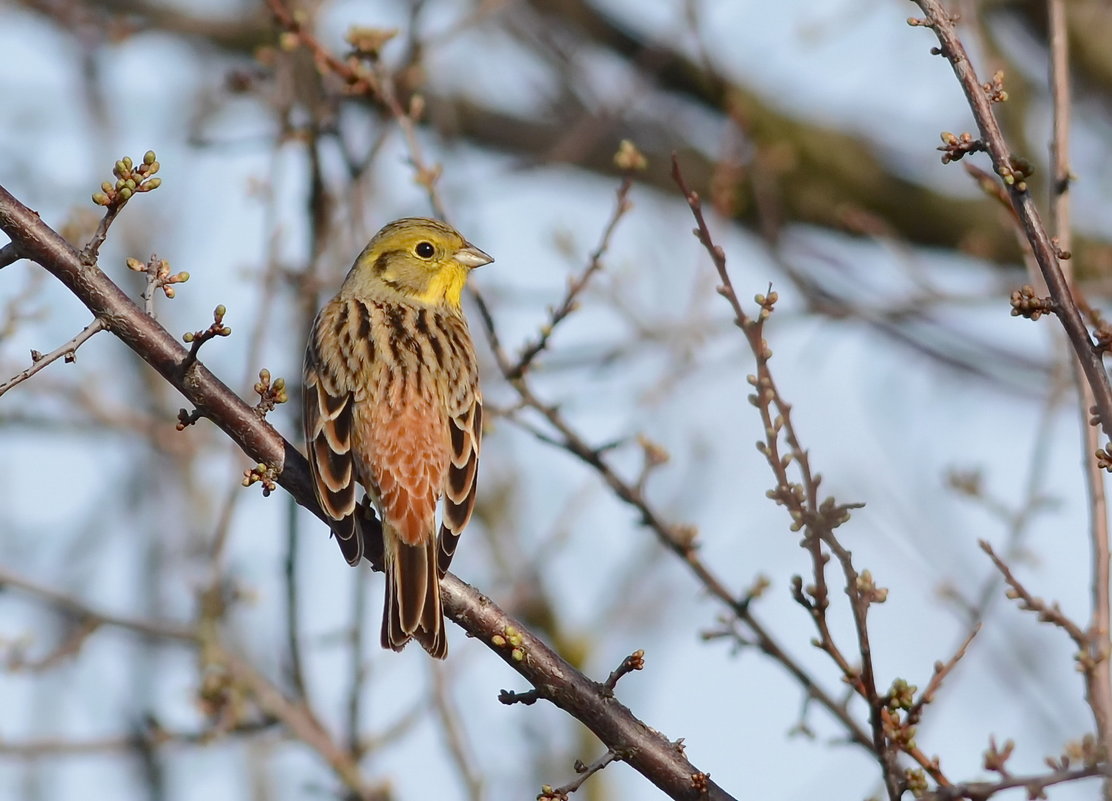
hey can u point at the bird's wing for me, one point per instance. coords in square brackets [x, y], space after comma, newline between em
[328, 403]
[465, 432]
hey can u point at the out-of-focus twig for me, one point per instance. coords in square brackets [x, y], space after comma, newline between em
[1034, 785]
[300, 721]
[363, 73]
[456, 735]
[1098, 679]
[151, 735]
[575, 286]
[77, 608]
[291, 599]
[1048, 613]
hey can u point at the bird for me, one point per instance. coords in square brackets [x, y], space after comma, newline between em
[391, 402]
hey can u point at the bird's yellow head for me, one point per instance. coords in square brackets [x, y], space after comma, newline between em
[415, 259]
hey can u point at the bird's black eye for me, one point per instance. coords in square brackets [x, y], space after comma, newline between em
[424, 250]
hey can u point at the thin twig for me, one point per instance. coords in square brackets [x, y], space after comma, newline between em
[456, 736]
[678, 539]
[1044, 251]
[376, 83]
[67, 351]
[576, 285]
[941, 671]
[198, 338]
[289, 576]
[17, 661]
[1018, 521]
[357, 80]
[1047, 613]
[1098, 679]
[75, 607]
[92, 248]
[425, 175]
[151, 735]
[1034, 785]
[585, 772]
[299, 720]
[131, 179]
[356, 664]
[555, 680]
[224, 518]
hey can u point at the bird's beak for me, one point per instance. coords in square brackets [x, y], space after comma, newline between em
[471, 257]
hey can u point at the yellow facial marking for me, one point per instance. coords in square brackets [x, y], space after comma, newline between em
[446, 285]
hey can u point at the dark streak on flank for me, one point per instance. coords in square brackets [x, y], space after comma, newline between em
[364, 322]
[341, 321]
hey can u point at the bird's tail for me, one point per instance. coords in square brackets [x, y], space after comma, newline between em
[413, 597]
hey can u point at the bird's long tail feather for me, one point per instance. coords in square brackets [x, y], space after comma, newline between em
[413, 597]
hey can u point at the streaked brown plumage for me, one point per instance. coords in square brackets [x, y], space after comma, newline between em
[392, 402]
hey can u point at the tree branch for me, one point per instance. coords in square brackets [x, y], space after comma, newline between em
[1008, 167]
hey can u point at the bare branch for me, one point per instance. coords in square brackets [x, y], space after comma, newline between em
[300, 721]
[585, 772]
[1098, 684]
[77, 608]
[1014, 172]
[575, 286]
[1034, 785]
[1047, 613]
[941, 671]
[456, 736]
[68, 351]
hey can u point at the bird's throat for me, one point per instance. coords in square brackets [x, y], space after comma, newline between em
[446, 286]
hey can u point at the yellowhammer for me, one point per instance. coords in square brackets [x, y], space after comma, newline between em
[392, 402]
